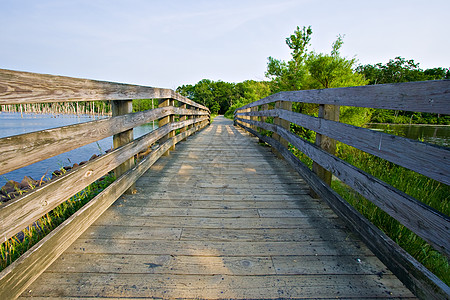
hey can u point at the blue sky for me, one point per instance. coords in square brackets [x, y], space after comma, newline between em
[170, 43]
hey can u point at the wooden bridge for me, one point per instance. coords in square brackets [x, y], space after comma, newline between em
[220, 215]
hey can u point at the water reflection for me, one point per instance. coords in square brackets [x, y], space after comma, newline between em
[433, 134]
[12, 124]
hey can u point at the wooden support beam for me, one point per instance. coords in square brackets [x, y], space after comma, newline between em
[283, 123]
[166, 120]
[327, 112]
[122, 108]
[183, 118]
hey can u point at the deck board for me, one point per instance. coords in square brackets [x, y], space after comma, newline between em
[219, 218]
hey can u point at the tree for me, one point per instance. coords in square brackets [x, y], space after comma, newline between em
[332, 70]
[400, 70]
[289, 76]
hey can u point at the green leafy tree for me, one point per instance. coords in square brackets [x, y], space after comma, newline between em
[332, 70]
[401, 70]
[290, 75]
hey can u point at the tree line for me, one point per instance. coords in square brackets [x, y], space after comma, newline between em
[308, 69]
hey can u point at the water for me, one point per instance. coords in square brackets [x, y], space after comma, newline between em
[12, 124]
[433, 134]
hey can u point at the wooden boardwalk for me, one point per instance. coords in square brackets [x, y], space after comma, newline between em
[221, 217]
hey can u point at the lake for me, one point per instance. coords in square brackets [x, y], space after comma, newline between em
[433, 134]
[12, 124]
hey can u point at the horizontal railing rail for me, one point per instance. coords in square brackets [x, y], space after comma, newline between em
[427, 159]
[178, 117]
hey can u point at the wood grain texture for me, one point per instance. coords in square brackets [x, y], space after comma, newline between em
[414, 275]
[431, 225]
[421, 96]
[122, 138]
[23, 87]
[254, 252]
[427, 159]
[18, 276]
[21, 212]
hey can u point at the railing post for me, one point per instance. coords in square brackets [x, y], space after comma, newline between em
[328, 112]
[184, 118]
[166, 120]
[263, 119]
[286, 105]
[254, 118]
[123, 107]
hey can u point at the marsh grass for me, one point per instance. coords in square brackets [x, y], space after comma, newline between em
[422, 188]
[23, 241]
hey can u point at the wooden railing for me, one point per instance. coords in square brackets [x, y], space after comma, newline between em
[22, 150]
[427, 159]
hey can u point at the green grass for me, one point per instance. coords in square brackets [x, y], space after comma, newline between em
[428, 191]
[15, 246]
[422, 188]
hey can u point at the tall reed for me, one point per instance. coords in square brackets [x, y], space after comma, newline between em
[19, 244]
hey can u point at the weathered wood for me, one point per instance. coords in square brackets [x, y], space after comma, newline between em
[18, 276]
[285, 124]
[20, 212]
[121, 139]
[166, 120]
[326, 112]
[218, 286]
[24, 87]
[221, 248]
[414, 275]
[427, 159]
[429, 224]
[188, 268]
[112, 218]
[237, 265]
[183, 118]
[163, 264]
[36, 146]
[421, 96]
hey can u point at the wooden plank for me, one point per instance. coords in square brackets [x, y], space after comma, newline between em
[421, 96]
[414, 275]
[20, 212]
[221, 248]
[429, 224]
[216, 286]
[132, 233]
[19, 275]
[37, 146]
[427, 159]
[323, 264]
[185, 212]
[224, 197]
[113, 218]
[216, 204]
[23, 87]
[274, 235]
[162, 264]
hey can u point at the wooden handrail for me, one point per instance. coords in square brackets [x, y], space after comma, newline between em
[40, 145]
[23, 87]
[423, 96]
[18, 213]
[427, 159]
